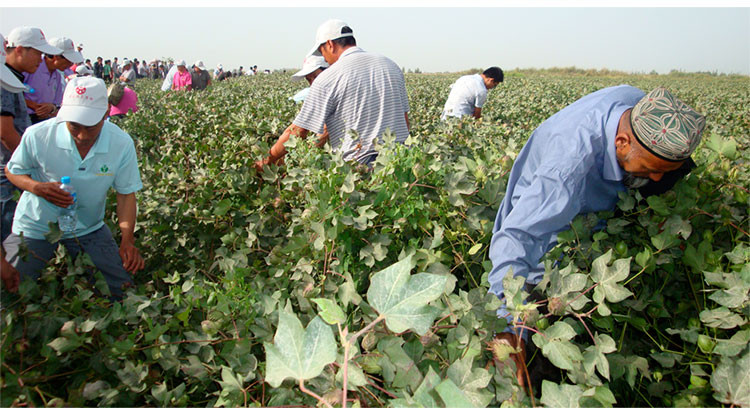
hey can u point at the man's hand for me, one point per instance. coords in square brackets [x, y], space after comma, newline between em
[131, 257]
[45, 110]
[10, 275]
[51, 192]
[519, 358]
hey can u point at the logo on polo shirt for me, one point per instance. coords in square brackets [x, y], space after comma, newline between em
[104, 171]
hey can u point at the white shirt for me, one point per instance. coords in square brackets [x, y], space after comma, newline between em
[467, 93]
[167, 83]
[362, 92]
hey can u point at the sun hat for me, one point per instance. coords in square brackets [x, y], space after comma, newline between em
[309, 65]
[181, 63]
[125, 62]
[199, 64]
[68, 49]
[665, 126]
[330, 30]
[33, 37]
[84, 101]
[9, 81]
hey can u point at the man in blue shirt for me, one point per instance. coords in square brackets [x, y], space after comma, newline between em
[97, 155]
[576, 162]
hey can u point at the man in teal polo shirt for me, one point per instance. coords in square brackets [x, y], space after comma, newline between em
[97, 155]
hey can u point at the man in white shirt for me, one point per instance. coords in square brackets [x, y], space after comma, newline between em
[128, 74]
[469, 93]
[360, 97]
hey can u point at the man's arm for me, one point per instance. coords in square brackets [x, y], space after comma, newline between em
[126, 213]
[8, 133]
[408, 125]
[477, 113]
[49, 191]
[278, 150]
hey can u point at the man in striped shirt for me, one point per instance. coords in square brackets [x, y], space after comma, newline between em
[358, 98]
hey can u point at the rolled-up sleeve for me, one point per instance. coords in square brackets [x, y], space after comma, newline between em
[128, 177]
[540, 210]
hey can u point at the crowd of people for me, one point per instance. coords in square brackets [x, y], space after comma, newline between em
[577, 161]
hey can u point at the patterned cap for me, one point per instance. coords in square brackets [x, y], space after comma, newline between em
[666, 126]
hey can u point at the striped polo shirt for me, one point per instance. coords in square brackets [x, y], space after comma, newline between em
[359, 97]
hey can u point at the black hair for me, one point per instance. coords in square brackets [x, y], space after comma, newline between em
[495, 73]
[346, 41]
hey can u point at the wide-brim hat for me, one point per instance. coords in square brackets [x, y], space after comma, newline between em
[84, 101]
[329, 30]
[8, 80]
[310, 64]
[199, 64]
[33, 37]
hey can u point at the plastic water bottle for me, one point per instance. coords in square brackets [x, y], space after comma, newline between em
[67, 219]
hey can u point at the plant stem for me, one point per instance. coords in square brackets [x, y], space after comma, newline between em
[313, 394]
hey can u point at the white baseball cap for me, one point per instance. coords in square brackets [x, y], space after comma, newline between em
[33, 37]
[8, 80]
[330, 30]
[181, 63]
[199, 64]
[83, 70]
[84, 102]
[309, 65]
[68, 49]
[126, 62]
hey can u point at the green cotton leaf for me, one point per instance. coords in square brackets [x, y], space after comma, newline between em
[676, 225]
[471, 381]
[740, 254]
[556, 345]
[355, 377]
[296, 352]
[732, 298]
[726, 147]
[721, 318]
[663, 240]
[65, 344]
[659, 205]
[348, 185]
[424, 393]
[452, 396]
[607, 278]
[330, 312]
[230, 380]
[132, 376]
[731, 381]
[403, 299]
[560, 396]
[734, 345]
[223, 207]
[55, 234]
[604, 396]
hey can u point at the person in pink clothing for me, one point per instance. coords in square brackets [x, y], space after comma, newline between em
[182, 79]
[123, 100]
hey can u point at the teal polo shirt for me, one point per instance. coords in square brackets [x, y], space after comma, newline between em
[47, 153]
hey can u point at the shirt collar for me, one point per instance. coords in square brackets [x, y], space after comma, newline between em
[65, 141]
[353, 49]
[612, 169]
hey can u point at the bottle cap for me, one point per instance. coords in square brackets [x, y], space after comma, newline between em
[65, 180]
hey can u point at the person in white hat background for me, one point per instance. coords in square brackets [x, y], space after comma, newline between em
[128, 74]
[312, 66]
[83, 70]
[182, 79]
[169, 78]
[22, 53]
[47, 81]
[361, 91]
[97, 155]
[199, 76]
[11, 84]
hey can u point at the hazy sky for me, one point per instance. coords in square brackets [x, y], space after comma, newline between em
[433, 39]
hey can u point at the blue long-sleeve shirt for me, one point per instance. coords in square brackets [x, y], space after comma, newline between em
[567, 167]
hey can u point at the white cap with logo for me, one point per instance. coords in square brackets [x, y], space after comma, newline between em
[68, 49]
[33, 37]
[82, 70]
[8, 80]
[310, 64]
[330, 30]
[84, 102]
[199, 64]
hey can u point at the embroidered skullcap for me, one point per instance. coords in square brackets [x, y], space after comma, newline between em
[665, 126]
